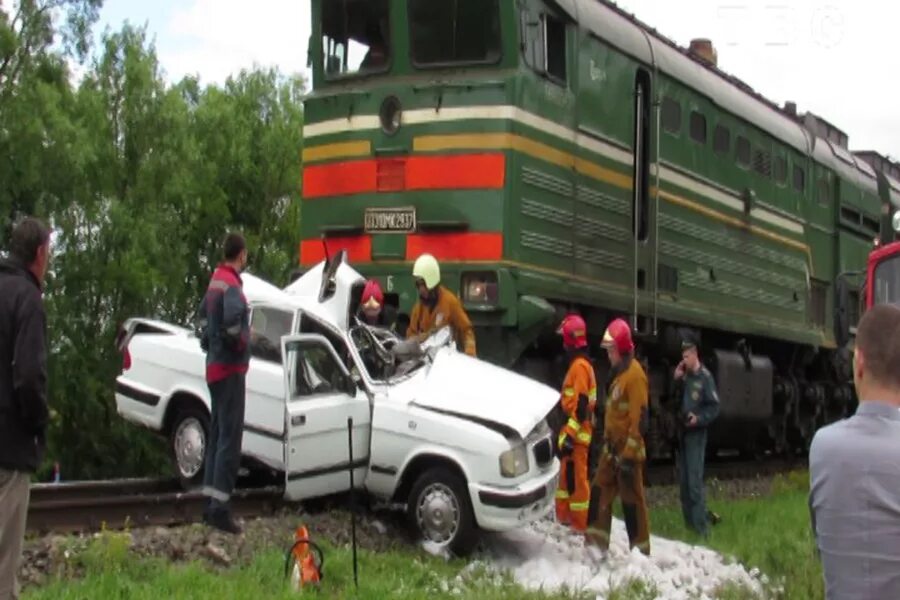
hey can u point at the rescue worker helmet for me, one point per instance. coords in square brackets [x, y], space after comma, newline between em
[372, 297]
[427, 269]
[573, 331]
[618, 336]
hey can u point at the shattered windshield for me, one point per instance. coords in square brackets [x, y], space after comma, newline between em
[453, 32]
[355, 37]
[387, 356]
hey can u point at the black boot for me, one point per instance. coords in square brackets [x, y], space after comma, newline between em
[220, 518]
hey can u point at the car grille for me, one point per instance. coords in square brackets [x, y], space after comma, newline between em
[543, 452]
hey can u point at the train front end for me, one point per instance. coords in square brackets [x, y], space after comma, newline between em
[403, 151]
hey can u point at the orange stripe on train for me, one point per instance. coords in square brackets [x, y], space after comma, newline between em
[469, 246]
[445, 172]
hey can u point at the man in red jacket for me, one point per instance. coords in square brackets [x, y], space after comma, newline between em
[224, 317]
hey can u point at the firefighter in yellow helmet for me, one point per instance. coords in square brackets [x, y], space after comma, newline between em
[620, 471]
[579, 396]
[438, 307]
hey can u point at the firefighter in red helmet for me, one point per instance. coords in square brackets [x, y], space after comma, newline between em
[620, 471]
[578, 398]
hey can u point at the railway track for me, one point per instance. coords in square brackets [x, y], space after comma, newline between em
[94, 505]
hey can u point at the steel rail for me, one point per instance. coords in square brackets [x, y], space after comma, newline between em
[96, 505]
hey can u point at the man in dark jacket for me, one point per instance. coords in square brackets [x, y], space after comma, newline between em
[699, 408]
[225, 323]
[23, 387]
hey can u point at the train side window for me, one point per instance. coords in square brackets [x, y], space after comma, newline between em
[742, 151]
[823, 191]
[721, 140]
[671, 115]
[762, 162]
[799, 178]
[555, 42]
[780, 170]
[698, 127]
[544, 45]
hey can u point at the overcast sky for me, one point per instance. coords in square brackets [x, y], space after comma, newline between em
[836, 58]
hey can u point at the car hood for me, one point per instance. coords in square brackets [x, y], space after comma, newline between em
[466, 387]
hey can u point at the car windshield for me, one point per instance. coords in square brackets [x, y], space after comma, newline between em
[887, 281]
[355, 37]
[387, 357]
[453, 32]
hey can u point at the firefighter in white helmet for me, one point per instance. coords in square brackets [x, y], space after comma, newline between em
[438, 307]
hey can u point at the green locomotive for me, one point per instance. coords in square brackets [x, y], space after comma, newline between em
[561, 156]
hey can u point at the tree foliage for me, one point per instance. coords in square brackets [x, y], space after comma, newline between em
[140, 181]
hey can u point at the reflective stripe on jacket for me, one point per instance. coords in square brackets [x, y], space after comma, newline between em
[580, 380]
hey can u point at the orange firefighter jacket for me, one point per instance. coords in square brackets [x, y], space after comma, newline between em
[625, 411]
[580, 380]
[447, 311]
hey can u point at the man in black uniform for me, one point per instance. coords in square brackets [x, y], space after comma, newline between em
[699, 407]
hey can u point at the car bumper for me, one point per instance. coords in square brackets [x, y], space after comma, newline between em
[502, 509]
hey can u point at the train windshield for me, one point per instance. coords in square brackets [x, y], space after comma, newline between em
[454, 32]
[887, 281]
[355, 37]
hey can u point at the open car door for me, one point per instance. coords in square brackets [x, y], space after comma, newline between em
[320, 398]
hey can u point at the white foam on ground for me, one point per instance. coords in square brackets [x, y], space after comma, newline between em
[548, 556]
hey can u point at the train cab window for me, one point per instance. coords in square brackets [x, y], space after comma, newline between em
[698, 127]
[671, 115]
[721, 140]
[799, 178]
[742, 151]
[355, 37]
[780, 170]
[453, 33]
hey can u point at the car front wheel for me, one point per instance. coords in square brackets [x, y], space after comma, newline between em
[440, 511]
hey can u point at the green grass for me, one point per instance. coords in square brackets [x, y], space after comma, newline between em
[112, 573]
[772, 534]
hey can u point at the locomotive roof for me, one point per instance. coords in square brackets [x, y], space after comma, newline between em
[613, 25]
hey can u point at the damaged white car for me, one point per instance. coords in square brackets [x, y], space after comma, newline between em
[461, 443]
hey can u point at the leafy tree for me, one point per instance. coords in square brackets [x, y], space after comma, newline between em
[140, 180]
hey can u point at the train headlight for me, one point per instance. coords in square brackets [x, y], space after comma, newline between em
[895, 222]
[480, 288]
[391, 115]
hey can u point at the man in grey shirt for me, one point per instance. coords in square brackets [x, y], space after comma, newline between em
[854, 468]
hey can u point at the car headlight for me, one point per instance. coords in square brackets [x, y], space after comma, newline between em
[514, 462]
[480, 288]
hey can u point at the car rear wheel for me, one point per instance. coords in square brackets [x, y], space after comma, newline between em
[440, 512]
[188, 441]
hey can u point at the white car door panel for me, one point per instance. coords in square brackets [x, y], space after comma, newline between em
[321, 399]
